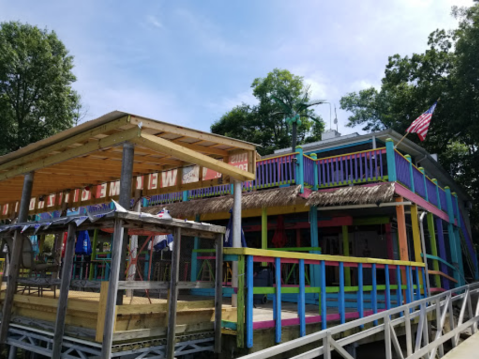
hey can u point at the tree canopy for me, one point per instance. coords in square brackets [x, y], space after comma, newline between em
[448, 69]
[265, 123]
[36, 97]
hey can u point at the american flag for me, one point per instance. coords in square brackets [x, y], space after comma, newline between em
[421, 124]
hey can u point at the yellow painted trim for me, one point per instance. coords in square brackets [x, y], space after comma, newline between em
[187, 155]
[415, 234]
[316, 257]
[349, 154]
[271, 158]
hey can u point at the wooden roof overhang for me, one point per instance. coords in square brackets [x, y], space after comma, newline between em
[91, 154]
[131, 220]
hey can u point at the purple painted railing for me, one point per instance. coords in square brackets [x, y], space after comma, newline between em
[431, 191]
[360, 167]
[418, 179]
[442, 198]
[214, 191]
[308, 165]
[165, 198]
[274, 172]
[402, 170]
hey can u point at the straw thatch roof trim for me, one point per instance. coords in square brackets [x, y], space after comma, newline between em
[382, 193]
[266, 198]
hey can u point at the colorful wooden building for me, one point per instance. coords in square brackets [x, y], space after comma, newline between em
[339, 229]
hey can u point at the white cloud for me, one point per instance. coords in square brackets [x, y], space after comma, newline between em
[152, 20]
[225, 104]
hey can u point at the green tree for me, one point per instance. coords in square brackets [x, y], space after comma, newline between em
[36, 97]
[449, 70]
[265, 123]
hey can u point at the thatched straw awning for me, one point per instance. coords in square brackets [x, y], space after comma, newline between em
[267, 198]
[382, 193]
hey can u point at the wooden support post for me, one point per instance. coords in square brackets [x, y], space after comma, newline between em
[93, 253]
[451, 236]
[249, 301]
[442, 251]
[347, 270]
[264, 231]
[194, 255]
[432, 238]
[402, 235]
[416, 236]
[100, 322]
[218, 291]
[14, 265]
[460, 264]
[64, 289]
[173, 298]
[126, 184]
[300, 168]
[391, 160]
[110, 313]
[240, 315]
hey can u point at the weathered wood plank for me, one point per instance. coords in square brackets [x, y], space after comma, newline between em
[137, 285]
[100, 324]
[173, 297]
[218, 291]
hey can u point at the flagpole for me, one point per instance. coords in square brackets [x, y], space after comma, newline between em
[403, 137]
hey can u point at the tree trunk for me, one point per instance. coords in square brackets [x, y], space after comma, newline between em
[295, 125]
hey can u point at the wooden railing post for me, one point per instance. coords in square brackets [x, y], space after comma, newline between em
[408, 157]
[316, 174]
[194, 255]
[300, 167]
[437, 193]
[240, 317]
[425, 186]
[391, 159]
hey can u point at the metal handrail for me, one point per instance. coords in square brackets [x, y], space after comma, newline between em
[417, 346]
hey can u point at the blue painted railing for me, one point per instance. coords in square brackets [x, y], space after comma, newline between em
[355, 168]
[309, 167]
[402, 170]
[378, 285]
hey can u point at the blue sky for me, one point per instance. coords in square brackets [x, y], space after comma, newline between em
[188, 62]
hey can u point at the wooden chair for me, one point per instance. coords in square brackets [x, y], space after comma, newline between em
[36, 269]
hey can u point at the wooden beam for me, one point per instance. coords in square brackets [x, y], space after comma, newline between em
[202, 149]
[112, 140]
[82, 137]
[100, 324]
[218, 291]
[208, 137]
[177, 151]
[173, 298]
[64, 289]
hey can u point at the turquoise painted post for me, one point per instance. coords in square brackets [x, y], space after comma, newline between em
[408, 285]
[341, 299]
[408, 157]
[302, 300]
[424, 282]
[456, 205]
[277, 263]
[460, 264]
[437, 193]
[450, 211]
[418, 285]
[424, 178]
[391, 159]
[194, 256]
[185, 196]
[249, 301]
[388, 287]
[399, 286]
[374, 292]
[300, 168]
[452, 238]
[145, 202]
[324, 314]
[316, 173]
[360, 292]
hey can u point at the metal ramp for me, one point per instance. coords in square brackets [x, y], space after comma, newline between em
[441, 310]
